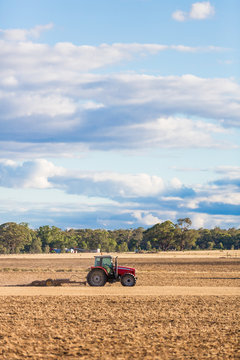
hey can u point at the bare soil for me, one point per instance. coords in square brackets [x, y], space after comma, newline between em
[153, 270]
[103, 327]
[183, 307]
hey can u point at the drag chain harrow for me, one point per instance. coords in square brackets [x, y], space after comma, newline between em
[56, 282]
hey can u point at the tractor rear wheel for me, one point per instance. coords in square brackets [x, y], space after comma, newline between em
[96, 277]
[128, 280]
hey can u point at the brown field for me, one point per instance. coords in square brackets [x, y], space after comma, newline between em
[184, 306]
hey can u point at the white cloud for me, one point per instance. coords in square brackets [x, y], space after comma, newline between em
[118, 111]
[231, 172]
[180, 15]
[32, 150]
[179, 132]
[44, 62]
[24, 34]
[199, 11]
[44, 174]
[146, 219]
[227, 195]
[30, 174]
[50, 91]
[9, 81]
[27, 104]
[110, 185]
[208, 221]
[213, 98]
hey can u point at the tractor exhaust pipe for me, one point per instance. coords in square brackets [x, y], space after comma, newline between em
[116, 267]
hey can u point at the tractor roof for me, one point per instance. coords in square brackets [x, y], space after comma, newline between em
[103, 256]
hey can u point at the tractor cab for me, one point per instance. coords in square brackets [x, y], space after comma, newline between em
[105, 262]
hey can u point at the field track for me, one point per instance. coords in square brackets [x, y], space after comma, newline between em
[120, 291]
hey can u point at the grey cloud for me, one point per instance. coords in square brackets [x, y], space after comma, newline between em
[122, 200]
[69, 216]
[218, 208]
[227, 181]
[49, 92]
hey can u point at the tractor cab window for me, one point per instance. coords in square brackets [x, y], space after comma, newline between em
[107, 261]
[97, 261]
[107, 264]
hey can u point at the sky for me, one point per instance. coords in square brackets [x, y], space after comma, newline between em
[119, 114]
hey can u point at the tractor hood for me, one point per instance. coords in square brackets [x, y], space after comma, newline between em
[124, 270]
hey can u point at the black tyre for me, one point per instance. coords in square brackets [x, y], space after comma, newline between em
[128, 280]
[96, 277]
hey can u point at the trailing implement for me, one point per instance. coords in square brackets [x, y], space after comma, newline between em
[106, 269]
[55, 282]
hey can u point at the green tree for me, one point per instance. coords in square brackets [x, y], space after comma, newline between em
[71, 238]
[51, 236]
[36, 246]
[135, 238]
[14, 237]
[161, 236]
[122, 247]
[122, 236]
[111, 246]
[204, 239]
[184, 237]
[148, 246]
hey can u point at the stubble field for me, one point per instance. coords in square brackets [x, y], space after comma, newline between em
[184, 306]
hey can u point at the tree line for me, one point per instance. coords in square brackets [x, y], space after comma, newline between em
[19, 238]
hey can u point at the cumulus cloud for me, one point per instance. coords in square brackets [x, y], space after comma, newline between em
[208, 221]
[84, 215]
[199, 11]
[106, 112]
[44, 174]
[30, 150]
[30, 174]
[137, 199]
[64, 59]
[24, 34]
[232, 172]
[179, 15]
[111, 185]
[146, 218]
[172, 132]
[50, 91]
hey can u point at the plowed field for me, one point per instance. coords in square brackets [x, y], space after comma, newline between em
[181, 308]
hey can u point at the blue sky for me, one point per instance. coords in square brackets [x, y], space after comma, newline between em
[119, 114]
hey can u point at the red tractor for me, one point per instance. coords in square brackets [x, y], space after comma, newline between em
[107, 270]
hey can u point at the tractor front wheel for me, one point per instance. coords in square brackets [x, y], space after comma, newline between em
[96, 277]
[128, 280]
